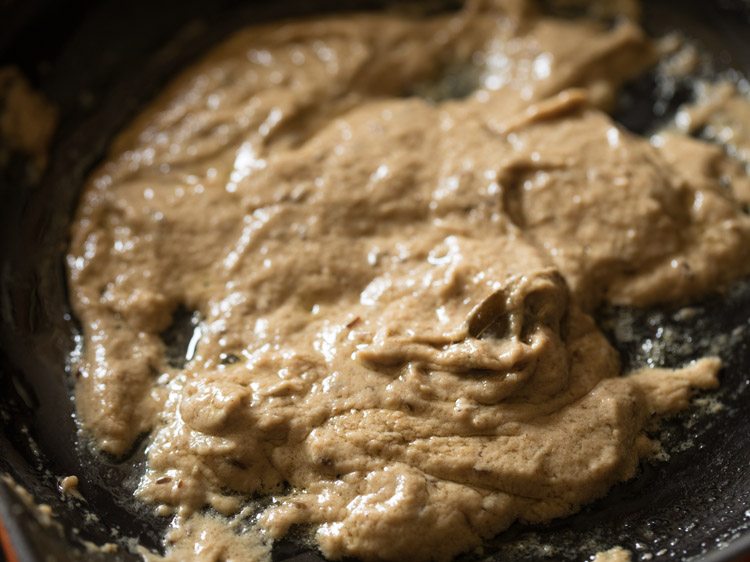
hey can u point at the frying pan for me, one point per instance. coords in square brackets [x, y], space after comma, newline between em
[99, 62]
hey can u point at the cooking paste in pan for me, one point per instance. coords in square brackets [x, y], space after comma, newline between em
[392, 231]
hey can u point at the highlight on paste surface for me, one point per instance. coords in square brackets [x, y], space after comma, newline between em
[393, 293]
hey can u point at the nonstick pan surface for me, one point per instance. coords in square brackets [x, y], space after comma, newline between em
[99, 62]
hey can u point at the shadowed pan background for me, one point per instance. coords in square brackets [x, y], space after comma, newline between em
[99, 62]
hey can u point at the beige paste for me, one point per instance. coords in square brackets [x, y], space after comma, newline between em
[394, 292]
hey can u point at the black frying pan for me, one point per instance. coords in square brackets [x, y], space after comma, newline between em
[99, 61]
